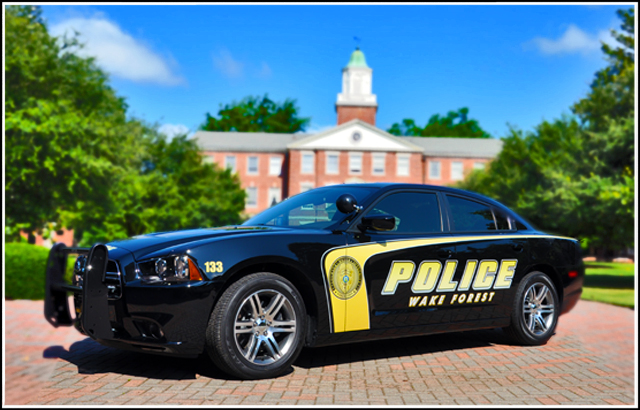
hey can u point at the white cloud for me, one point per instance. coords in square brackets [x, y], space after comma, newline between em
[117, 52]
[224, 62]
[573, 40]
[171, 130]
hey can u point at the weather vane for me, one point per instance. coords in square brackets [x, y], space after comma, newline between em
[358, 40]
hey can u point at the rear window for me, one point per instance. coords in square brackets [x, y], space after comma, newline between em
[469, 215]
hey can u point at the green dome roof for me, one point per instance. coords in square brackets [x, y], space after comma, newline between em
[357, 59]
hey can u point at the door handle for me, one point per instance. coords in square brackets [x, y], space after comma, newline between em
[445, 253]
[517, 247]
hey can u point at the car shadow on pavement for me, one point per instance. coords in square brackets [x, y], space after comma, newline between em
[92, 358]
[402, 347]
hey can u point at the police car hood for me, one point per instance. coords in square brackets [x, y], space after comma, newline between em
[142, 245]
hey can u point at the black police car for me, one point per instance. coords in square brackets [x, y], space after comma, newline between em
[332, 265]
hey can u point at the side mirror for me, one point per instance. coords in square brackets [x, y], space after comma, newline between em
[347, 203]
[384, 222]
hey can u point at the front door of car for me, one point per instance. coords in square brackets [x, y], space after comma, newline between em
[400, 268]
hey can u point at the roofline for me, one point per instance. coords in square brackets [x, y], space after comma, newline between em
[412, 147]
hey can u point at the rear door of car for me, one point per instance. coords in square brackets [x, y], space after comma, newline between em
[489, 253]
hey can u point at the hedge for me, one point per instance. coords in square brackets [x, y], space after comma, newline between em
[24, 273]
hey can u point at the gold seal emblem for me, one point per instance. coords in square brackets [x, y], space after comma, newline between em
[345, 277]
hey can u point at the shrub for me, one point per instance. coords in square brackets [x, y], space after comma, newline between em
[24, 275]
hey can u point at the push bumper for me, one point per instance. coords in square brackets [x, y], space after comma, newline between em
[94, 320]
[157, 319]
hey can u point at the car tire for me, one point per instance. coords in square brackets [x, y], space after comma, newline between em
[256, 329]
[535, 309]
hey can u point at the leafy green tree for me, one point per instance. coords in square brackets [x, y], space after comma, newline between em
[61, 123]
[455, 124]
[255, 114]
[169, 188]
[612, 91]
[73, 158]
[577, 178]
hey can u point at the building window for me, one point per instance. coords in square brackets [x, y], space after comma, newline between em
[434, 170]
[333, 163]
[306, 186]
[307, 163]
[274, 196]
[478, 165]
[230, 163]
[252, 166]
[377, 167]
[355, 163]
[275, 165]
[403, 165]
[252, 197]
[457, 170]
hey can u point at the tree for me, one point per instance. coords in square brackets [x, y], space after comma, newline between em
[455, 124]
[73, 158]
[612, 91]
[577, 178]
[61, 123]
[255, 114]
[169, 188]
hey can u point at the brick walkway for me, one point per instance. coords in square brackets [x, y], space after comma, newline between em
[590, 361]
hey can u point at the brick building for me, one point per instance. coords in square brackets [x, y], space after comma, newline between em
[274, 166]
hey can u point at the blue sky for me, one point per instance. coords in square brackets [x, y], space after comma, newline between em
[511, 64]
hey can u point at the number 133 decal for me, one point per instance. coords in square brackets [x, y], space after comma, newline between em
[213, 266]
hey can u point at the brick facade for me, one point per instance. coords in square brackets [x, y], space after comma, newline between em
[293, 180]
[264, 180]
[347, 113]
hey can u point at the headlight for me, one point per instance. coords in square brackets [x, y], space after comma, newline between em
[171, 269]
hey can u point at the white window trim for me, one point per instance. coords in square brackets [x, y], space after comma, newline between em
[271, 158]
[479, 165]
[235, 162]
[461, 173]
[278, 197]
[408, 158]
[355, 155]
[326, 162]
[250, 205]
[382, 155]
[313, 162]
[257, 165]
[439, 176]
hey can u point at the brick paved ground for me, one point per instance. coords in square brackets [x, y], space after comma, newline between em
[589, 361]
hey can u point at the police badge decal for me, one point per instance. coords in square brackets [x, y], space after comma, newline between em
[345, 277]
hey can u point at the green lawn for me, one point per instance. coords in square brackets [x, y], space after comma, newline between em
[610, 283]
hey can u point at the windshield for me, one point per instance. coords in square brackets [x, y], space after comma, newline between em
[315, 209]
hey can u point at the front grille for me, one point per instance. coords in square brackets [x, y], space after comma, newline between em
[113, 280]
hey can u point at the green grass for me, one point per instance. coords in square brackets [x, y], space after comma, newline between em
[610, 282]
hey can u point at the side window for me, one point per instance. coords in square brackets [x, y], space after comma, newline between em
[501, 220]
[415, 212]
[470, 215]
[520, 226]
